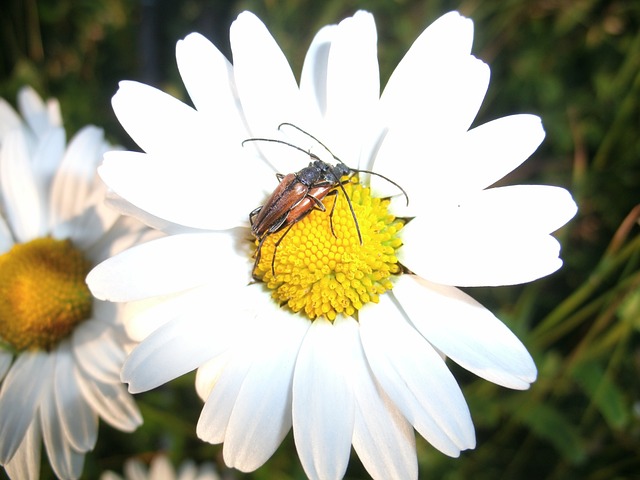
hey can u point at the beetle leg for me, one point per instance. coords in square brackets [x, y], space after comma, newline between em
[279, 176]
[318, 203]
[253, 214]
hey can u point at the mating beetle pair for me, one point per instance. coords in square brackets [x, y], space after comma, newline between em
[299, 193]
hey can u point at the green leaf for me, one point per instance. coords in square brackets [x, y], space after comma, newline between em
[605, 394]
[549, 424]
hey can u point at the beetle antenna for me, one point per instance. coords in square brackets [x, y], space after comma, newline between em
[274, 140]
[336, 158]
[311, 137]
[387, 179]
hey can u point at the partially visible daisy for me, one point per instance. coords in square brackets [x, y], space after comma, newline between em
[342, 329]
[61, 350]
[161, 469]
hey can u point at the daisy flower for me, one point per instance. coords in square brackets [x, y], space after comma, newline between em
[161, 469]
[61, 350]
[342, 327]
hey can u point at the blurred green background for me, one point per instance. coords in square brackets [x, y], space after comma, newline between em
[574, 63]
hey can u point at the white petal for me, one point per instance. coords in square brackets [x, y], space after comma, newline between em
[97, 352]
[161, 468]
[489, 152]
[208, 77]
[256, 55]
[204, 195]
[183, 344]
[111, 402]
[379, 424]
[208, 374]
[25, 464]
[466, 332]
[72, 184]
[78, 422]
[538, 209]
[434, 58]
[135, 470]
[470, 256]
[416, 378]
[88, 228]
[37, 114]
[168, 265]
[427, 112]
[313, 79]
[50, 149]
[353, 85]
[22, 390]
[261, 416]
[214, 418]
[121, 206]
[153, 119]
[23, 197]
[124, 233]
[64, 459]
[323, 432]
[143, 317]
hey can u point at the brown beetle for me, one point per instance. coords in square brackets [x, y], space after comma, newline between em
[301, 192]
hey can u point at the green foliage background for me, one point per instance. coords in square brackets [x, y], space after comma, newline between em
[574, 63]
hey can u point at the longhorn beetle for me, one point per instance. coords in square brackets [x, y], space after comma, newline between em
[299, 193]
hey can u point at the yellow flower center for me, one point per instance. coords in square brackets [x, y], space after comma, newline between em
[43, 294]
[325, 274]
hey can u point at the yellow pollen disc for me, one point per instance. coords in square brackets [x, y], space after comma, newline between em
[322, 274]
[43, 294]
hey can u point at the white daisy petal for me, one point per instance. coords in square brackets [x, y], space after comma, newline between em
[399, 356]
[471, 257]
[65, 460]
[200, 196]
[46, 158]
[484, 157]
[466, 332]
[208, 77]
[261, 415]
[379, 424]
[22, 391]
[152, 117]
[274, 99]
[209, 335]
[161, 468]
[25, 464]
[208, 374]
[36, 113]
[23, 198]
[214, 418]
[353, 84]
[313, 79]
[73, 181]
[188, 257]
[438, 82]
[112, 402]
[78, 421]
[532, 208]
[321, 431]
[96, 350]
